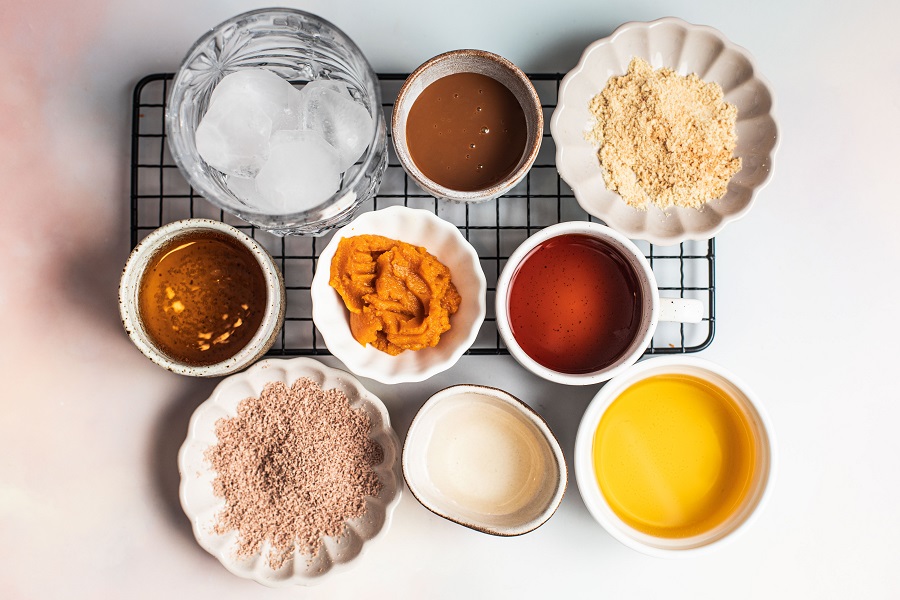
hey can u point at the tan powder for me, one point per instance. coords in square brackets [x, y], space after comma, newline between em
[293, 465]
[664, 138]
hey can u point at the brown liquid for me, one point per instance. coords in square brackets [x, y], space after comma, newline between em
[466, 132]
[202, 298]
[575, 304]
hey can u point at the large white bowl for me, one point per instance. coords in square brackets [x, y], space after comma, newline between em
[447, 244]
[684, 48]
[202, 506]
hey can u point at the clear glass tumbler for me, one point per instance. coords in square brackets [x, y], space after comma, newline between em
[300, 47]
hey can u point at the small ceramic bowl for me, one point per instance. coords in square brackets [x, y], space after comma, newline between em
[129, 287]
[201, 505]
[760, 485]
[469, 61]
[684, 48]
[435, 451]
[446, 243]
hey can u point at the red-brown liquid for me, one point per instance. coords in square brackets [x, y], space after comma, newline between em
[466, 132]
[575, 304]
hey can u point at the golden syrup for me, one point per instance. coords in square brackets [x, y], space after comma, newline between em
[202, 298]
[674, 456]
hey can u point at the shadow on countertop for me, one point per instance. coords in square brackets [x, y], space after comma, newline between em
[168, 435]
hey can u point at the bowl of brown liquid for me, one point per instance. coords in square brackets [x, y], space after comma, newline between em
[200, 298]
[467, 125]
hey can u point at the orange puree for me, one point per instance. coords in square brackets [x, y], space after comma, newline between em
[400, 297]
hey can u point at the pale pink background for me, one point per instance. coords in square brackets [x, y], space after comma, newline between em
[807, 292]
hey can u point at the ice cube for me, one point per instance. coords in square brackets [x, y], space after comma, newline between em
[301, 172]
[327, 107]
[245, 108]
[263, 88]
[245, 189]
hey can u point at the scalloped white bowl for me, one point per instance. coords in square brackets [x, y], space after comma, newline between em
[443, 240]
[202, 506]
[684, 48]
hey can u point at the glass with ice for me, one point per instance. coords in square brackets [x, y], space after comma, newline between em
[275, 116]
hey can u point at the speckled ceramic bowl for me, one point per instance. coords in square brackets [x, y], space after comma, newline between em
[469, 61]
[130, 283]
[201, 505]
[684, 48]
[549, 463]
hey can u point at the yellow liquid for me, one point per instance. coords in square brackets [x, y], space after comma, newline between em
[674, 456]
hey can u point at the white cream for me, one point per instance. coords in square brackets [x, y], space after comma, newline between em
[484, 458]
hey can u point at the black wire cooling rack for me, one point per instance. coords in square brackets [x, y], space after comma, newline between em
[160, 195]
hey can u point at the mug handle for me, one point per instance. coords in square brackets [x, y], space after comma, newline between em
[680, 310]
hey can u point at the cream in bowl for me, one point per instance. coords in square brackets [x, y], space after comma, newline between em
[467, 125]
[198, 297]
[482, 458]
[674, 456]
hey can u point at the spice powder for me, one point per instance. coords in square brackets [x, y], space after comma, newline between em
[293, 466]
[664, 138]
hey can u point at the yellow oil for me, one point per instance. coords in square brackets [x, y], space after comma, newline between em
[674, 456]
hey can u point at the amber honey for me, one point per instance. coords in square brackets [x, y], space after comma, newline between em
[202, 298]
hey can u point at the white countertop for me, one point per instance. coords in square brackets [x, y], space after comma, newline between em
[806, 283]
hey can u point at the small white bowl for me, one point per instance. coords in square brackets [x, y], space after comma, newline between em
[761, 485]
[417, 471]
[483, 63]
[684, 48]
[130, 284]
[447, 244]
[201, 505]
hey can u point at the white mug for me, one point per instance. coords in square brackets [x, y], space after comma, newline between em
[653, 310]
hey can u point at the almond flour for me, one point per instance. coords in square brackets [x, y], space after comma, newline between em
[293, 466]
[664, 138]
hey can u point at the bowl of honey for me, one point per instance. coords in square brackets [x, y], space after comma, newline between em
[467, 125]
[675, 456]
[200, 298]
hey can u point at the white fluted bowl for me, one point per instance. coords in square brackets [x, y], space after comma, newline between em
[445, 242]
[684, 48]
[202, 506]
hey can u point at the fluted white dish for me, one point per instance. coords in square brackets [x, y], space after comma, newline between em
[444, 241]
[684, 48]
[202, 506]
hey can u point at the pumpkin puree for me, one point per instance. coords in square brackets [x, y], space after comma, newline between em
[399, 296]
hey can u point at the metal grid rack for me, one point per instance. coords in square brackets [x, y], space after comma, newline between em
[159, 195]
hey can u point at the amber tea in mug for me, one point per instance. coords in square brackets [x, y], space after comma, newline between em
[575, 304]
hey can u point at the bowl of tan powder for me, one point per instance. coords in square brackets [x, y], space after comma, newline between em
[664, 130]
[289, 471]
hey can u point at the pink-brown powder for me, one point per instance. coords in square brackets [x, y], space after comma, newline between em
[293, 466]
